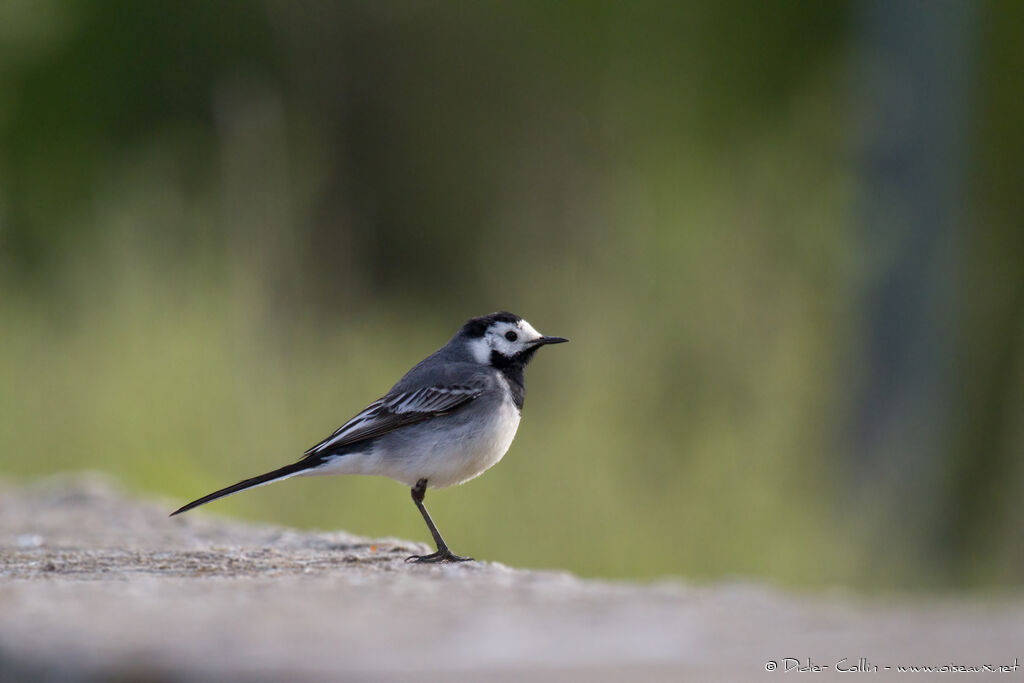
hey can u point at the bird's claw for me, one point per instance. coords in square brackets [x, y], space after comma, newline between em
[439, 556]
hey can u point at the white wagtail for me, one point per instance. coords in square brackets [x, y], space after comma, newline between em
[447, 420]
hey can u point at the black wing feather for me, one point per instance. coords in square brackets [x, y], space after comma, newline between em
[398, 410]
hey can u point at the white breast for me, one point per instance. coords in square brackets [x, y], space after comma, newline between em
[475, 449]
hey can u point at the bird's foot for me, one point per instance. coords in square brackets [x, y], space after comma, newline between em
[444, 555]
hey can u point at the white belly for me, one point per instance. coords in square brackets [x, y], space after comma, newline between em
[475, 450]
[445, 454]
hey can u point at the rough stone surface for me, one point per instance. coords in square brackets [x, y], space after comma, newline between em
[96, 586]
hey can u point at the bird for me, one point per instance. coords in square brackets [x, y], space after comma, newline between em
[448, 420]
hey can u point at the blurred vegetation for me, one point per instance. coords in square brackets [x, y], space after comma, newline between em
[225, 227]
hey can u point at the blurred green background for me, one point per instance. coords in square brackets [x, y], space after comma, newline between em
[785, 240]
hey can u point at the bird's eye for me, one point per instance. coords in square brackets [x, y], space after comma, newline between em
[511, 336]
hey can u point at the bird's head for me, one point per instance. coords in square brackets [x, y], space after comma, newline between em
[502, 339]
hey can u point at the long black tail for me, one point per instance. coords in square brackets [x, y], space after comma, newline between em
[280, 473]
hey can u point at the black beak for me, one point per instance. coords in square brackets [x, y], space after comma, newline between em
[549, 340]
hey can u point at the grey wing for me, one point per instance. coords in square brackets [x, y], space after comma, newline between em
[399, 409]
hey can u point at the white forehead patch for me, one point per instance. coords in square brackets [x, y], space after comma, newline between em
[528, 331]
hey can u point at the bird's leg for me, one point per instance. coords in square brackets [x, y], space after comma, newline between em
[442, 554]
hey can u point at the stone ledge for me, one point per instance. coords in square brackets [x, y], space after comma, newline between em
[96, 585]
